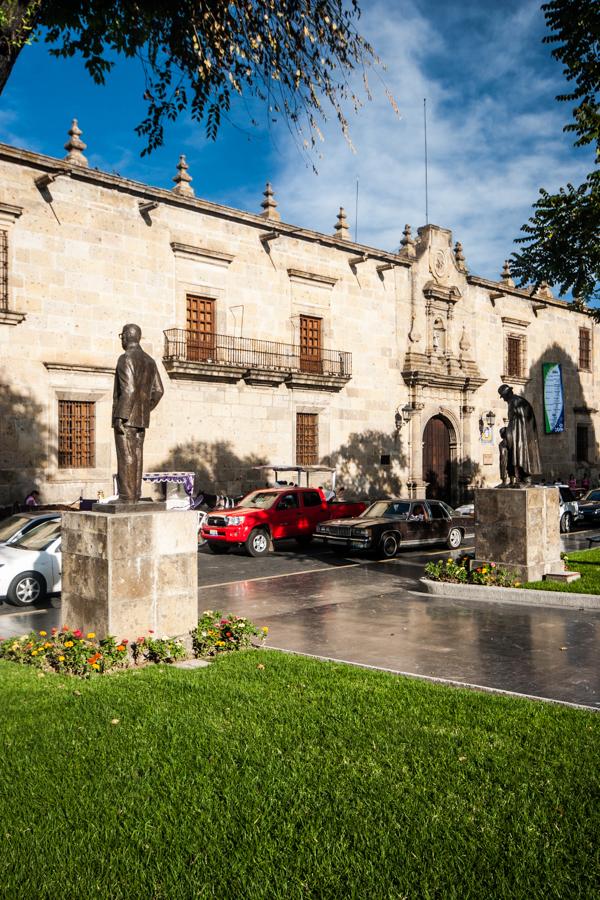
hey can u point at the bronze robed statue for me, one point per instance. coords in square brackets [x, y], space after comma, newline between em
[522, 446]
[137, 391]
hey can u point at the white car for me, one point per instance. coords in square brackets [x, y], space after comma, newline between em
[31, 569]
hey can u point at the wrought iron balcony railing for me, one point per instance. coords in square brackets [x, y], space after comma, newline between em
[249, 354]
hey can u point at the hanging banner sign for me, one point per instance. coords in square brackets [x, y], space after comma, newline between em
[554, 401]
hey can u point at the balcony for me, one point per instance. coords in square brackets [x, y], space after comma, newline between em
[223, 358]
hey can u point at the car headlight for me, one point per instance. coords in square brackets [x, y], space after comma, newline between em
[322, 530]
[358, 532]
[235, 520]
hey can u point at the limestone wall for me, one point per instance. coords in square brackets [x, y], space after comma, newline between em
[83, 261]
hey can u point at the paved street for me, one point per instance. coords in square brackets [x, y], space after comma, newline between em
[372, 613]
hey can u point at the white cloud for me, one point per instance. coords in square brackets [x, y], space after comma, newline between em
[489, 150]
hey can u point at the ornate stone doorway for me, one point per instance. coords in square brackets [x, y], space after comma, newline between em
[437, 459]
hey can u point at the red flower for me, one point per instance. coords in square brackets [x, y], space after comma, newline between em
[150, 631]
[77, 633]
[124, 641]
[228, 633]
[53, 630]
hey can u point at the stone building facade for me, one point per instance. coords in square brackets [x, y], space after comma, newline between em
[276, 344]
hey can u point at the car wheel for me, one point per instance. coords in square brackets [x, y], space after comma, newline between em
[566, 522]
[218, 548]
[454, 539]
[258, 543]
[388, 546]
[26, 589]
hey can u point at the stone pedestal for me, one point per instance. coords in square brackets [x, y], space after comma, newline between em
[129, 573]
[518, 529]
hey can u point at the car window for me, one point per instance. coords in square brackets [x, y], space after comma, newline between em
[417, 513]
[39, 538]
[288, 501]
[259, 500]
[397, 510]
[451, 512]
[311, 498]
[566, 495]
[437, 511]
[11, 525]
[593, 495]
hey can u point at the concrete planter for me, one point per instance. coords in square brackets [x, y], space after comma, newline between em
[520, 596]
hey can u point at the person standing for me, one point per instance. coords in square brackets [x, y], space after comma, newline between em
[32, 499]
[137, 391]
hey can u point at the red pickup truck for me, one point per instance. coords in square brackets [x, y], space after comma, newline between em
[273, 514]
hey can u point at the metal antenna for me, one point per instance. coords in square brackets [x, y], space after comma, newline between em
[426, 188]
[356, 215]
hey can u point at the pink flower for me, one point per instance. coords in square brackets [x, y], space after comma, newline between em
[77, 633]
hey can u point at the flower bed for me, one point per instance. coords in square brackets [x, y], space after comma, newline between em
[457, 572]
[71, 652]
[216, 633]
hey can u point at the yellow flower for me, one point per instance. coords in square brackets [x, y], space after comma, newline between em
[265, 629]
[220, 644]
[91, 634]
[61, 659]
[68, 643]
[517, 584]
[43, 633]
[95, 666]
[34, 652]
[47, 644]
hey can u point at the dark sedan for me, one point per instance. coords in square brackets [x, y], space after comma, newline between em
[589, 509]
[387, 525]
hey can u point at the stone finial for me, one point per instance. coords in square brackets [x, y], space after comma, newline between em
[182, 179]
[269, 204]
[506, 277]
[75, 145]
[342, 232]
[459, 256]
[545, 291]
[407, 244]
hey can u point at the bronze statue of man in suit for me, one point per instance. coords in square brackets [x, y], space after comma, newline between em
[137, 391]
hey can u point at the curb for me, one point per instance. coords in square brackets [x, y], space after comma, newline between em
[519, 596]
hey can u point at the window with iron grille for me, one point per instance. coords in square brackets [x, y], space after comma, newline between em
[310, 344]
[585, 349]
[515, 353]
[201, 329]
[307, 439]
[582, 443]
[3, 270]
[76, 426]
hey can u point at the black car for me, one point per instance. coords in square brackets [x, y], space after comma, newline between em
[387, 525]
[589, 509]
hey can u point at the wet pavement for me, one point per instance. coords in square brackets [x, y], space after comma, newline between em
[372, 613]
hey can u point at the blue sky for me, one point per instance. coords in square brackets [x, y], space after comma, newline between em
[494, 130]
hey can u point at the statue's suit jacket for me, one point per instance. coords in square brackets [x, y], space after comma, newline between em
[138, 388]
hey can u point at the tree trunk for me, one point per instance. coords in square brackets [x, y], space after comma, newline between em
[18, 19]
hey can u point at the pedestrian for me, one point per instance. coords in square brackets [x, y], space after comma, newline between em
[32, 499]
[585, 481]
[572, 482]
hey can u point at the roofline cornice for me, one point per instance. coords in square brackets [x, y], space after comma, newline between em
[139, 190]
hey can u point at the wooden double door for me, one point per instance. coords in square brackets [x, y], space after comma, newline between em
[437, 460]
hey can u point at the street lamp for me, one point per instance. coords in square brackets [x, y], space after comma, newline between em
[402, 416]
[490, 418]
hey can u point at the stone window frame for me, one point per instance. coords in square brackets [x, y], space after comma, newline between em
[8, 216]
[585, 365]
[70, 473]
[520, 376]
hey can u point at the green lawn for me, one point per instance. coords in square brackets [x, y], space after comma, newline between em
[301, 779]
[585, 561]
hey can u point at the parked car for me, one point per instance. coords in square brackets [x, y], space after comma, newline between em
[271, 515]
[589, 509]
[569, 508]
[467, 509]
[15, 527]
[30, 569]
[388, 525]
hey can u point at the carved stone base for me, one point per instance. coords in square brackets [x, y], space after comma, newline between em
[126, 574]
[518, 529]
